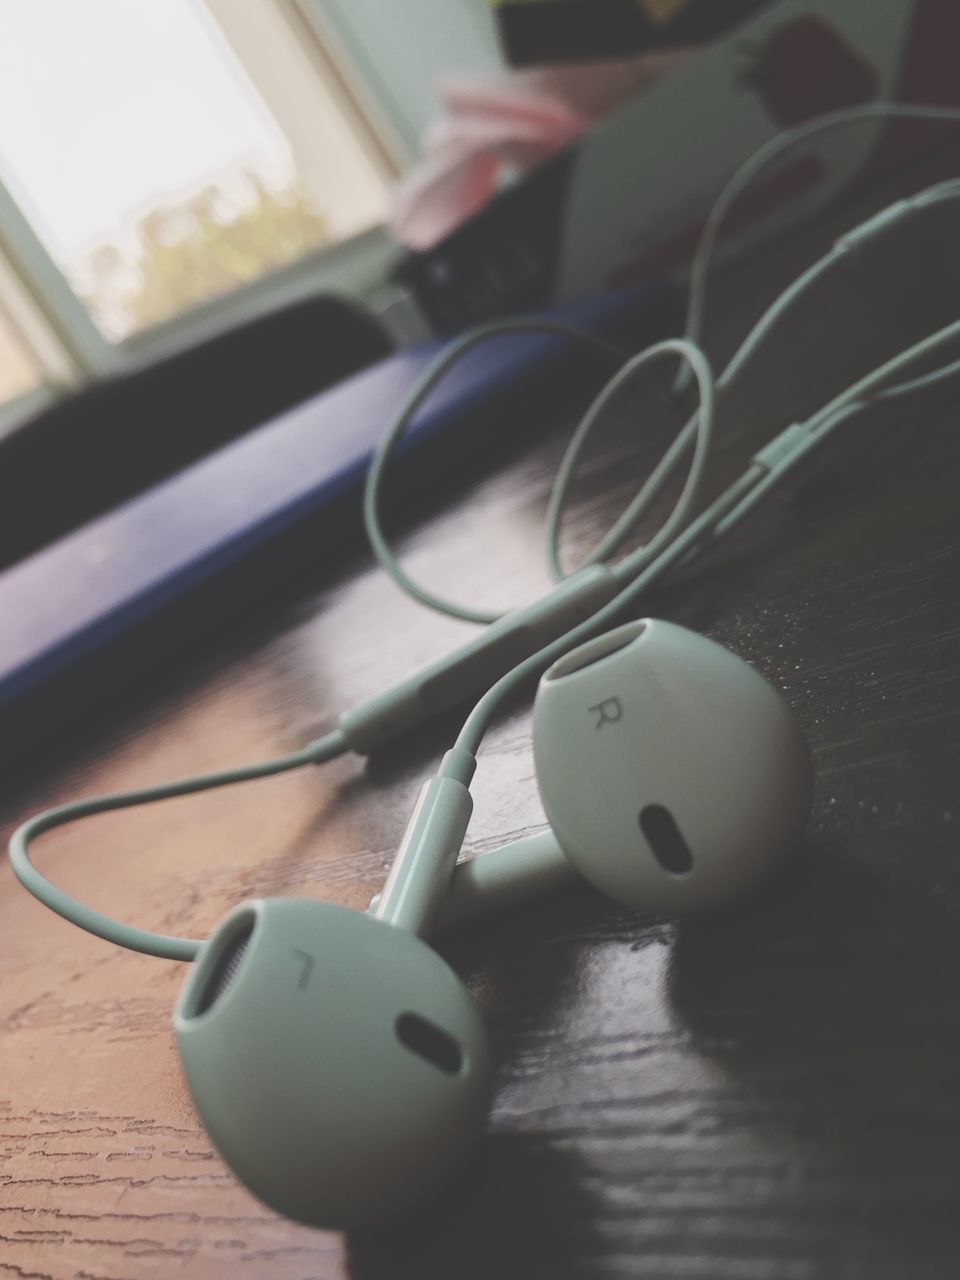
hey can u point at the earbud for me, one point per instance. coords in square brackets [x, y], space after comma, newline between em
[673, 775]
[338, 1064]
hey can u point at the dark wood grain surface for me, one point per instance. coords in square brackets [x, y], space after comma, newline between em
[771, 1092]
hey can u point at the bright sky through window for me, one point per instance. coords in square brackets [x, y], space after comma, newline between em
[106, 105]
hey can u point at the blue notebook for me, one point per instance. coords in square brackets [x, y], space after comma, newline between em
[89, 613]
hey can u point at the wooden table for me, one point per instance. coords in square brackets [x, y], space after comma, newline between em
[772, 1092]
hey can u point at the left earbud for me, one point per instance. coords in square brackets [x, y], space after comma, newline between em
[338, 1064]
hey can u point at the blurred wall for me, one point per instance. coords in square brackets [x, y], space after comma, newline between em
[400, 47]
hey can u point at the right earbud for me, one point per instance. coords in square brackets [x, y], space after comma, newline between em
[674, 777]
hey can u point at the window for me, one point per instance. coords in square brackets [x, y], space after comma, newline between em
[149, 163]
[168, 166]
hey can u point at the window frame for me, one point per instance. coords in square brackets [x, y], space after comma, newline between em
[19, 409]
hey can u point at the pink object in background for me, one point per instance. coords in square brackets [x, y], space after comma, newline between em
[494, 129]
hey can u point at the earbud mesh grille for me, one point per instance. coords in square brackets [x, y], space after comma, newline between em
[226, 969]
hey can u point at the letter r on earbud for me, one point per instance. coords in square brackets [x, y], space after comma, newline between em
[607, 712]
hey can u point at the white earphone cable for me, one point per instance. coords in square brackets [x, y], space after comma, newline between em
[676, 542]
[125, 935]
[654, 484]
[716, 521]
[761, 159]
[373, 489]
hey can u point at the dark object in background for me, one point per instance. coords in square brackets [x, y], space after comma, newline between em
[538, 31]
[503, 261]
[110, 441]
[144, 588]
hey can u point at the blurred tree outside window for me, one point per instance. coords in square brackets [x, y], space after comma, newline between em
[166, 152]
[189, 251]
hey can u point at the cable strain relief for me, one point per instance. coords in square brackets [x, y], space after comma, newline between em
[459, 764]
[791, 440]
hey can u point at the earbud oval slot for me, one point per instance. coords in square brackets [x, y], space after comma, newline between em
[429, 1042]
[665, 839]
